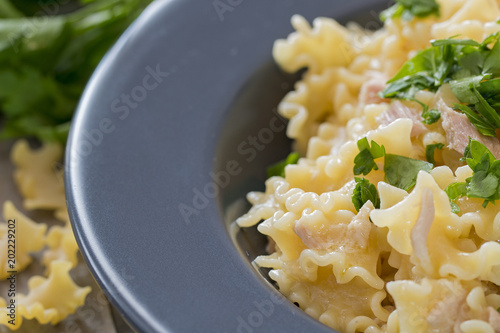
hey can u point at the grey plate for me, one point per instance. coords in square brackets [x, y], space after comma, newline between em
[162, 152]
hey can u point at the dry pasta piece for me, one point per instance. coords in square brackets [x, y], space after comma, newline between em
[61, 246]
[29, 237]
[61, 241]
[37, 176]
[49, 300]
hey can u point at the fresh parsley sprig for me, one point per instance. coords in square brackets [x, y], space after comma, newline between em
[364, 162]
[481, 113]
[471, 69]
[455, 191]
[430, 150]
[485, 180]
[364, 192]
[407, 9]
[400, 171]
[430, 116]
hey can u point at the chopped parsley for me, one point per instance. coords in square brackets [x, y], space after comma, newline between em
[431, 116]
[455, 191]
[407, 9]
[364, 162]
[400, 171]
[429, 151]
[278, 169]
[471, 69]
[364, 192]
[485, 181]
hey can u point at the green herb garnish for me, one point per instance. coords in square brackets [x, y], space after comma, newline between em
[429, 152]
[407, 9]
[471, 69]
[46, 62]
[278, 169]
[455, 191]
[364, 162]
[431, 116]
[401, 171]
[364, 192]
[485, 181]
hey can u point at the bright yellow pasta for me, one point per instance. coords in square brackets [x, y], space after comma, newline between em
[51, 298]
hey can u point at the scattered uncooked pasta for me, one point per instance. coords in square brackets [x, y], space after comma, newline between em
[38, 177]
[388, 221]
[50, 298]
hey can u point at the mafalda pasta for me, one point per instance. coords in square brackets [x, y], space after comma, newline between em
[53, 296]
[389, 221]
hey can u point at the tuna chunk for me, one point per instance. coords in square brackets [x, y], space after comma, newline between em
[360, 227]
[398, 110]
[458, 130]
[420, 231]
[447, 314]
[370, 89]
[354, 235]
[494, 319]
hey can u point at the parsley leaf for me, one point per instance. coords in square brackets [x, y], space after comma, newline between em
[431, 116]
[491, 64]
[364, 192]
[401, 171]
[415, 75]
[278, 169]
[474, 152]
[407, 9]
[364, 162]
[485, 110]
[429, 151]
[455, 191]
[454, 207]
[8, 10]
[485, 180]
[427, 70]
[462, 88]
[482, 184]
[479, 122]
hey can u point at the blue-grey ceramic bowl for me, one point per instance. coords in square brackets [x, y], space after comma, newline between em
[175, 127]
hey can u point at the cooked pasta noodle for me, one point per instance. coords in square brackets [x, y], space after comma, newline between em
[413, 264]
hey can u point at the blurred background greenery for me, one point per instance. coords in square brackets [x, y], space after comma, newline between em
[48, 51]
